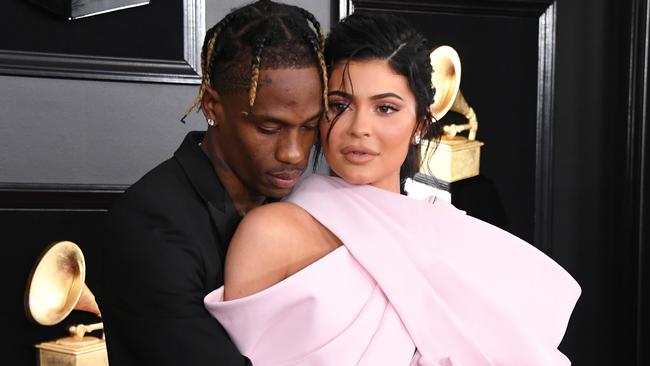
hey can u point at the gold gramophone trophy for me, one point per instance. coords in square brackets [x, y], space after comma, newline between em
[456, 157]
[56, 287]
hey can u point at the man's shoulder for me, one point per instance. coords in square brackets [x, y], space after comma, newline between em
[165, 176]
[162, 185]
[159, 212]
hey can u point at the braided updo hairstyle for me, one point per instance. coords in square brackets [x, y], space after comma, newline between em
[365, 37]
[260, 35]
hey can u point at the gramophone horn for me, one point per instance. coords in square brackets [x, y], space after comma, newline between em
[445, 78]
[56, 285]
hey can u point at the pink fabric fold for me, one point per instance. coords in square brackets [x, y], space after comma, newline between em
[465, 292]
[330, 313]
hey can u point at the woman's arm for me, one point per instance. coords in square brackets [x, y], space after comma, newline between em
[271, 243]
[258, 252]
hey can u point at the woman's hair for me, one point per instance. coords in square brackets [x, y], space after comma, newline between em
[260, 35]
[365, 37]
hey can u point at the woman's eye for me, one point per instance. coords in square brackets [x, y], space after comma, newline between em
[338, 106]
[387, 109]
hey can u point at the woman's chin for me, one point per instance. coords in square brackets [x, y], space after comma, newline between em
[355, 179]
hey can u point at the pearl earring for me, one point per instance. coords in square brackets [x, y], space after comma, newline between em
[211, 122]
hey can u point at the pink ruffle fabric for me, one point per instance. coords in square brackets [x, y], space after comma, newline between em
[413, 276]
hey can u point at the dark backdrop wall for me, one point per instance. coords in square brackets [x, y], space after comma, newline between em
[596, 182]
[61, 131]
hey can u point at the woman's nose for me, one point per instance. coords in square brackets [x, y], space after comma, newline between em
[361, 124]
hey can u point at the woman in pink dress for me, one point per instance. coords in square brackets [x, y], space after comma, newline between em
[348, 271]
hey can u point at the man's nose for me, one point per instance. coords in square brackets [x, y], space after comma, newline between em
[290, 150]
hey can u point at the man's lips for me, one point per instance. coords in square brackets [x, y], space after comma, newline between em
[358, 154]
[284, 179]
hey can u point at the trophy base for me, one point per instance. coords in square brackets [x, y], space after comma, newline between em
[70, 352]
[453, 160]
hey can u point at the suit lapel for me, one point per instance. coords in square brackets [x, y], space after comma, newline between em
[225, 222]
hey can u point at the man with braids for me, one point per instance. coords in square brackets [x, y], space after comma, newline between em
[262, 95]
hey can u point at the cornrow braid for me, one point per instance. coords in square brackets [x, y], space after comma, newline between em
[319, 51]
[255, 70]
[315, 44]
[314, 22]
[207, 58]
[323, 75]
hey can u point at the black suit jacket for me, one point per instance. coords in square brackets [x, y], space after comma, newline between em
[163, 251]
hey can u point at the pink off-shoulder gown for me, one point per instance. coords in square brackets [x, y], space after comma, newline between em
[415, 283]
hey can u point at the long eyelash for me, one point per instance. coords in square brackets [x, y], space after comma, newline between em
[339, 103]
[390, 106]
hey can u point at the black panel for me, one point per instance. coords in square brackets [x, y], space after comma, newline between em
[158, 42]
[65, 197]
[593, 68]
[637, 171]
[152, 31]
[643, 277]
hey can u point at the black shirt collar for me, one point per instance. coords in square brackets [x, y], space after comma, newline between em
[200, 172]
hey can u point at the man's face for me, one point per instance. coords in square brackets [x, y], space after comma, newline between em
[266, 148]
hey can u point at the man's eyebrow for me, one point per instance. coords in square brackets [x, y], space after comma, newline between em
[280, 121]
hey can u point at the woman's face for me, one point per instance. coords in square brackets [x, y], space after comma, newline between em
[369, 141]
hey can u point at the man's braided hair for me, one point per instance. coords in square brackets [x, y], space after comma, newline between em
[260, 35]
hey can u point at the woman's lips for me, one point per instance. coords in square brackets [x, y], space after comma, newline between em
[358, 154]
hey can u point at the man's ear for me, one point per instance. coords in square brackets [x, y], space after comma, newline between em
[212, 105]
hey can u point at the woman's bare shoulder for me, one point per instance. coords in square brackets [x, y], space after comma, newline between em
[269, 244]
[273, 226]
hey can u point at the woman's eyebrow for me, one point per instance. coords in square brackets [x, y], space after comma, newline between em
[340, 94]
[386, 95]
[374, 97]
